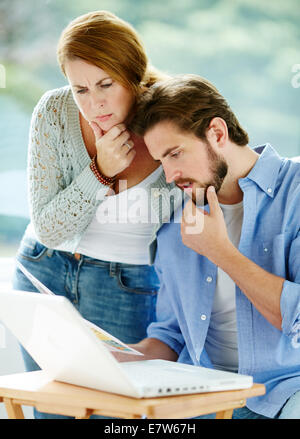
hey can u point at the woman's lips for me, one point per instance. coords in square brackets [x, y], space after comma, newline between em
[103, 118]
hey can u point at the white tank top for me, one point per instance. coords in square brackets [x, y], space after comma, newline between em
[121, 228]
[221, 342]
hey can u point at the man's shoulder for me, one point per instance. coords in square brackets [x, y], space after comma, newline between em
[287, 194]
[290, 172]
[296, 159]
[292, 162]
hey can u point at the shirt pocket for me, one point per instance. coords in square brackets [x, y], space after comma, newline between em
[280, 253]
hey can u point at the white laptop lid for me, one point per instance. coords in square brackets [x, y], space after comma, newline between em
[55, 335]
[58, 339]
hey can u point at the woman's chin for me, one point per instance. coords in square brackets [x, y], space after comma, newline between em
[106, 126]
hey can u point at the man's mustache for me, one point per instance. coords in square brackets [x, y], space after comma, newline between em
[185, 180]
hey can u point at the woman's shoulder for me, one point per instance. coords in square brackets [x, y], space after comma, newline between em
[53, 101]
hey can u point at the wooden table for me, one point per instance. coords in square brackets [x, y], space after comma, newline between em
[35, 389]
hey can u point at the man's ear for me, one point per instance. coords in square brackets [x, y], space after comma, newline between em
[217, 132]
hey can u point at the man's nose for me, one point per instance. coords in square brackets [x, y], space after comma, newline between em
[171, 174]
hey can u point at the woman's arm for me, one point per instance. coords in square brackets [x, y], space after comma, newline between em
[60, 210]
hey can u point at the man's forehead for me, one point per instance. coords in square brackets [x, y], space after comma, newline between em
[163, 127]
[166, 136]
[161, 138]
[162, 135]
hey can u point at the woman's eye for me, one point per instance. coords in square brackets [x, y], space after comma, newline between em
[106, 85]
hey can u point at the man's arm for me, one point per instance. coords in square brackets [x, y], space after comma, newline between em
[152, 348]
[262, 288]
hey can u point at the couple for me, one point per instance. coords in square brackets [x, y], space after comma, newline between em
[227, 273]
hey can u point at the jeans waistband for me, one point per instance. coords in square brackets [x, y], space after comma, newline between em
[112, 264]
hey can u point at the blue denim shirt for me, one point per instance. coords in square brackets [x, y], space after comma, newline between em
[270, 237]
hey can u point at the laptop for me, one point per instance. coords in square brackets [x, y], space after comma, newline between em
[56, 336]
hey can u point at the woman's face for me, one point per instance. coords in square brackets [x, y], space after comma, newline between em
[99, 98]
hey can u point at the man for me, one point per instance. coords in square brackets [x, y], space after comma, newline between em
[230, 293]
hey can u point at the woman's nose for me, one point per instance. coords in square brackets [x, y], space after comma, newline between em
[97, 100]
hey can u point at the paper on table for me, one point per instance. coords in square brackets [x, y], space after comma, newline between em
[111, 342]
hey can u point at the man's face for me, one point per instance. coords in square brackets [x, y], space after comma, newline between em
[191, 163]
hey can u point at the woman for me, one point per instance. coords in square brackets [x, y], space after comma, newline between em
[83, 163]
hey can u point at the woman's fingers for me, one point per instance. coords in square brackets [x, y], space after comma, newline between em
[97, 130]
[115, 149]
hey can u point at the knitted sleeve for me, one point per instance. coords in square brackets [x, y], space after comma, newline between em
[62, 202]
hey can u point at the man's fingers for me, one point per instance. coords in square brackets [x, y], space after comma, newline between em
[189, 212]
[192, 219]
[214, 206]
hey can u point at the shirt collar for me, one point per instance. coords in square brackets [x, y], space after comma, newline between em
[266, 169]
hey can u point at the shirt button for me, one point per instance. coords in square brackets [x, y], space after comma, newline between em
[269, 190]
[265, 249]
[156, 194]
[203, 317]
[209, 279]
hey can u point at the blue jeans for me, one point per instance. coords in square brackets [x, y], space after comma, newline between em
[120, 298]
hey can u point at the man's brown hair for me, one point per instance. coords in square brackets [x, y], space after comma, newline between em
[189, 101]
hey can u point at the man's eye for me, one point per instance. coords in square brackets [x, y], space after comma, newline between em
[81, 92]
[175, 154]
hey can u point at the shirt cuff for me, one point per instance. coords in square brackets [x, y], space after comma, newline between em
[161, 335]
[90, 186]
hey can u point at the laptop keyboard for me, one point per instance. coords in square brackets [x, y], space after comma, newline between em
[165, 380]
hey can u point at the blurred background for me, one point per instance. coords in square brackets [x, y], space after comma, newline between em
[250, 49]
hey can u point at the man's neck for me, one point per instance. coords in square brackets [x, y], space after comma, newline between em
[240, 162]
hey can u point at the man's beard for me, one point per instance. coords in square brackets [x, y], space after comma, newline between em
[219, 169]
